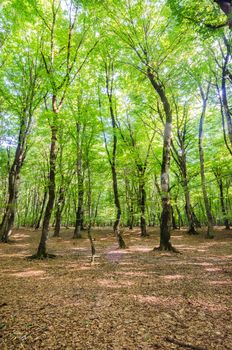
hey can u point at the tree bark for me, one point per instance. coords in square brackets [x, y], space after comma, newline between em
[59, 210]
[116, 226]
[202, 166]
[225, 104]
[79, 212]
[13, 180]
[166, 221]
[188, 209]
[142, 205]
[42, 249]
[80, 179]
[180, 158]
[174, 225]
[226, 221]
[37, 226]
[222, 200]
[109, 70]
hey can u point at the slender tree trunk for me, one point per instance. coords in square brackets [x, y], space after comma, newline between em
[13, 181]
[174, 226]
[180, 159]
[226, 107]
[142, 205]
[116, 226]
[42, 249]
[91, 219]
[202, 167]
[37, 226]
[197, 222]
[165, 226]
[109, 70]
[180, 221]
[129, 205]
[166, 216]
[79, 212]
[131, 217]
[188, 209]
[59, 210]
[80, 179]
[96, 208]
[223, 207]
[35, 207]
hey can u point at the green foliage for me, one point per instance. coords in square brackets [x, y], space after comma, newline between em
[174, 39]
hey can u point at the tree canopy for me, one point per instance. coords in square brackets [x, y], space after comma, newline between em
[102, 91]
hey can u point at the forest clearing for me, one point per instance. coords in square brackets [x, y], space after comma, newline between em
[128, 299]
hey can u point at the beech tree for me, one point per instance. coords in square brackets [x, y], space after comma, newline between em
[22, 96]
[59, 83]
[112, 155]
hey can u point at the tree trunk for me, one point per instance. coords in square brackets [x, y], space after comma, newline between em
[79, 214]
[142, 205]
[226, 107]
[223, 207]
[13, 180]
[188, 209]
[197, 222]
[131, 217]
[180, 159]
[202, 168]
[80, 180]
[42, 249]
[165, 225]
[180, 221]
[116, 226]
[109, 70]
[91, 219]
[174, 226]
[59, 210]
[37, 226]
[166, 221]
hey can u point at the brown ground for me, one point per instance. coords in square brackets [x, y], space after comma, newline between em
[128, 300]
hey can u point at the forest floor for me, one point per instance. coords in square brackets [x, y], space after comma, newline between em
[127, 300]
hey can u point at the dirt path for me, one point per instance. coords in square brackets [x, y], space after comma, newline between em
[128, 300]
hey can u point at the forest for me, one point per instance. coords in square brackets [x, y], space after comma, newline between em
[116, 174]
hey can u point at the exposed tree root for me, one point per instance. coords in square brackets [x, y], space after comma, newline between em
[209, 235]
[145, 235]
[122, 245]
[9, 241]
[184, 345]
[168, 247]
[41, 256]
[192, 231]
[121, 242]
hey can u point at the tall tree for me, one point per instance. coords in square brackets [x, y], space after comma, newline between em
[112, 156]
[135, 27]
[179, 153]
[204, 96]
[23, 98]
[62, 68]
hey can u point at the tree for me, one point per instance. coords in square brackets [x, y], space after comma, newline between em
[59, 83]
[23, 97]
[138, 35]
[179, 154]
[109, 78]
[204, 96]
